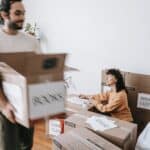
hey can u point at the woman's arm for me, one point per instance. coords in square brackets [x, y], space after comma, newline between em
[111, 106]
[101, 97]
[96, 97]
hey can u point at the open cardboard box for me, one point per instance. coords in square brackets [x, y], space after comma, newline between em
[36, 88]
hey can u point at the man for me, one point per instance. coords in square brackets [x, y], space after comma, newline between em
[12, 135]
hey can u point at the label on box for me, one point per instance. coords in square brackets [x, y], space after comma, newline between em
[56, 127]
[46, 99]
[143, 101]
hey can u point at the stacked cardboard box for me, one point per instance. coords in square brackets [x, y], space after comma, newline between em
[36, 89]
[124, 135]
[82, 139]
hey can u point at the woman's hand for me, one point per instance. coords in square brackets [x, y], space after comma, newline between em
[94, 102]
[85, 96]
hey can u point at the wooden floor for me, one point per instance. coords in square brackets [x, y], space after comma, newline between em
[41, 142]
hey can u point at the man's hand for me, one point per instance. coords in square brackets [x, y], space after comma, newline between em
[8, 111]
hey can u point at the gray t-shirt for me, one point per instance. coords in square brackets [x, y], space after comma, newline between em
[21, 42]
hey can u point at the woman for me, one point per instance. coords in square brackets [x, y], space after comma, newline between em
[116, 102]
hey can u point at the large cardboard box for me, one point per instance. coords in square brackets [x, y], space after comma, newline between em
[82, 139]
[138, 83]
[38, 90]
[123, 136]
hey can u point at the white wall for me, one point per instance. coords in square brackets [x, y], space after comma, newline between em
[97, 33]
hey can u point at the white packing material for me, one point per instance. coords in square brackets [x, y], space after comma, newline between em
[84, 103]
[143, 142]
[101, 123]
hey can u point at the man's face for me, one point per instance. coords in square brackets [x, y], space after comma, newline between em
[16, 16]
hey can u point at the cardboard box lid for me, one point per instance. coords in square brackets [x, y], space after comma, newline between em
[82, 138]
[29, 63]
[16, 60]
[17, 82]
[9, 74]
[118, 135]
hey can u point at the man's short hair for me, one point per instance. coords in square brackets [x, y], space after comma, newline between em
[5, 6]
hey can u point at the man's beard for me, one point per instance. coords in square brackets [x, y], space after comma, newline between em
[15, 26]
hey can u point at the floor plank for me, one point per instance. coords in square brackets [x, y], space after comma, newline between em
[41, 142]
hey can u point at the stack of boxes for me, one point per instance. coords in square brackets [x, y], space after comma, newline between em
[124, 135]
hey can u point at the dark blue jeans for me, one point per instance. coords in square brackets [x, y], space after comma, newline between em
[14, 136]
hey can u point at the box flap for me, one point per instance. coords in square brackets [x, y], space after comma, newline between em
[14, 86]
[16, 60]
[34, 65]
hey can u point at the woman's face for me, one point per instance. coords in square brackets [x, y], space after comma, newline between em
[110, 80]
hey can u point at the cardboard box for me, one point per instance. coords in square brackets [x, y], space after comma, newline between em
[38, 91]
[123, 136]
[138, 83]
[82, 139]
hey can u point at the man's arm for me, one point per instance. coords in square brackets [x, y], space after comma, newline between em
[6, 108]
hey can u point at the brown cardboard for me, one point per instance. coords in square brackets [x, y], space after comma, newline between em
[30, 81]
[29, 63]
[137, 83]
[124, 135]
[16, 60]
[82, 139]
